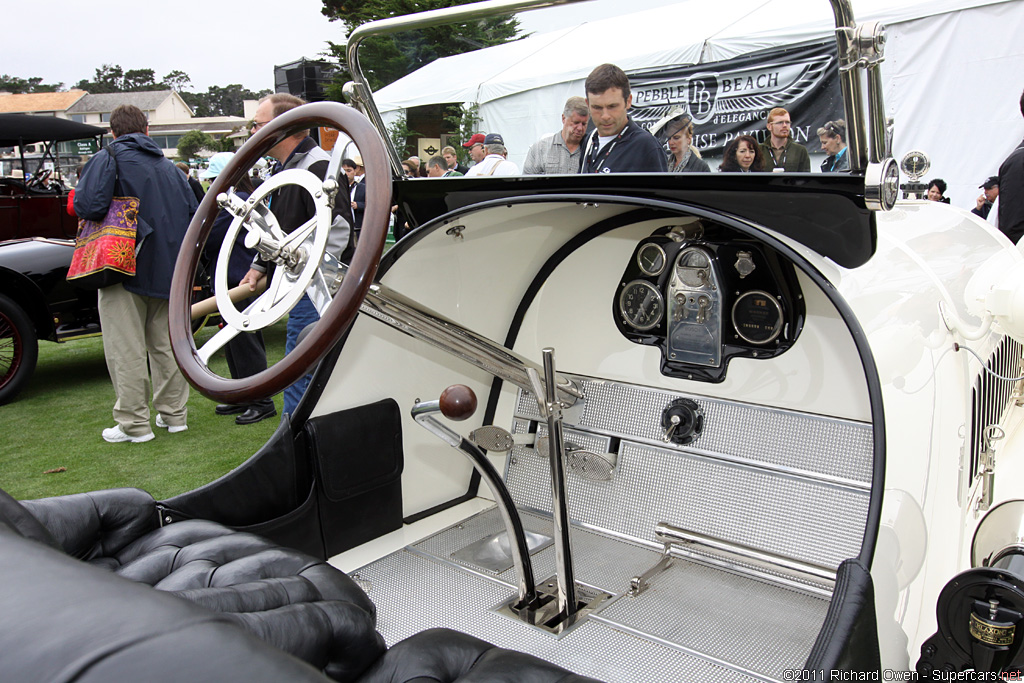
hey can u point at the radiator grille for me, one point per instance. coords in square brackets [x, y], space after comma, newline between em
[991, 395]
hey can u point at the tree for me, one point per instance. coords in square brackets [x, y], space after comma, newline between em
[193, 141]
[109, 78]
[218, 101]
[16, 85]
[399, 132]
[385, 59]
[140, 80]
[177, 80]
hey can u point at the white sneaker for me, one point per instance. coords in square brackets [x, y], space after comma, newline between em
[173, 429]
[116, 435]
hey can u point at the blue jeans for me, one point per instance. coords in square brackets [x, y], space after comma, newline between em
[302, 315]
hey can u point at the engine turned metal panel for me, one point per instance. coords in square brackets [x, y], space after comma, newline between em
[789, 483]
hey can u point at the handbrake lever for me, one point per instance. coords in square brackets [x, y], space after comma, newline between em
[458, 402]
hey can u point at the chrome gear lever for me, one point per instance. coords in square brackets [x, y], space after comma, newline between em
[551, 409]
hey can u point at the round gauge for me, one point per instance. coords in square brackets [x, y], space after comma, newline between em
[757, 317]
[915, 164]
[641, 305]
[651, 259]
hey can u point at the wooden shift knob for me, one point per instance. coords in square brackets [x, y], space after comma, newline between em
[458, 402]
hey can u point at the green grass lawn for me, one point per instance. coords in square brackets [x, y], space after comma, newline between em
[56, 423]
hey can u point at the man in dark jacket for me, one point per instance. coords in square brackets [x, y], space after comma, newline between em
[293, 206]
[617, 145]
[134, 314]
[1011, 191]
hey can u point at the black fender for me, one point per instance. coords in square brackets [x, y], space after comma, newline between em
[33, 274]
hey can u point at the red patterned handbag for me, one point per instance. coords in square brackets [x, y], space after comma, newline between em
[105, 249]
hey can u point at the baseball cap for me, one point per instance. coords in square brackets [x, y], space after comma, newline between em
[217, 163]
[477, 139]
[993, 181]
[494, 139]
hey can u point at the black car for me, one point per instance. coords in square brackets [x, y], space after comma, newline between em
[36, 301]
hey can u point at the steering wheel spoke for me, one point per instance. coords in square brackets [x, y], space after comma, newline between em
[299, 235]
[300, 259]
[216, 343]
[319, 293]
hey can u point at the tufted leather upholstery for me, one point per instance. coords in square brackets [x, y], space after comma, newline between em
[444, 656]
[62, 619]
[294, 601]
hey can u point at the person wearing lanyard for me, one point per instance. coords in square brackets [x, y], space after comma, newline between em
[780, 152]
[617, 145]
[833, 143]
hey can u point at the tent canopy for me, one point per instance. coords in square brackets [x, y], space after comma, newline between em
[690, 32]
[18, 130]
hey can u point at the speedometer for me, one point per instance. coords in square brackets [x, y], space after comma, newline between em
[757, 317]
[641, 305]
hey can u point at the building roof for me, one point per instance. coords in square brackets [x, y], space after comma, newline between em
[106, 102]
[39, 101]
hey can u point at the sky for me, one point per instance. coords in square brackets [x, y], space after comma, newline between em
[215, 43]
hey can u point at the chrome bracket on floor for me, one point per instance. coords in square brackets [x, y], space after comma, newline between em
[548, 617]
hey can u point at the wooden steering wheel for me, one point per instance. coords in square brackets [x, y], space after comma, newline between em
[302, 266]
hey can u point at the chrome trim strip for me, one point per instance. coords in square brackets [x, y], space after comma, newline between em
[675, 536]
[618, 626]
[419, 322]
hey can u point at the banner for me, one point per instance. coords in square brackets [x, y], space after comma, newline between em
[730, 98]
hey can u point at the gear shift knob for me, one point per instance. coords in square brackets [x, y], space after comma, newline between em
[458, 402]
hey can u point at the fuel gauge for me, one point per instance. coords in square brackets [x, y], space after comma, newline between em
[641, 305]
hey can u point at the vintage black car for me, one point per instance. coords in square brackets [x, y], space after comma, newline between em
[37, 233]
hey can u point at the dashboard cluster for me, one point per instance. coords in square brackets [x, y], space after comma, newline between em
[705, 295]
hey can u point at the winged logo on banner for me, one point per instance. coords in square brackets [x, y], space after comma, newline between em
[708, 95]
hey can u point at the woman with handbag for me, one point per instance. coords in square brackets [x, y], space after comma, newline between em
[148, 193]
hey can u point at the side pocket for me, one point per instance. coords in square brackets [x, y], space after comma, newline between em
[358, 458]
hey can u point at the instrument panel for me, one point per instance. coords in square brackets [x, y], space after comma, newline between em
[705, 294]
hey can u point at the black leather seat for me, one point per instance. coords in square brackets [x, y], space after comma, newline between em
[78, 604]
[294, 601]
[444, 656]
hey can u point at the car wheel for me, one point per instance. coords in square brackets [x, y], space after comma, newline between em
[19, 349]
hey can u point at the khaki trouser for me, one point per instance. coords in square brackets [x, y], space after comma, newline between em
[134, 329]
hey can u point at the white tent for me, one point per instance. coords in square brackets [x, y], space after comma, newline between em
[953, 72]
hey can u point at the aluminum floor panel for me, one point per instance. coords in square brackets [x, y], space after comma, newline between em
[414, 593]
[694, 620]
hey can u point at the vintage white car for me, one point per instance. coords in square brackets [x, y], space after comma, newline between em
[635, 427]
